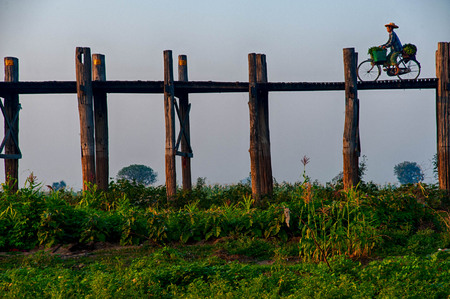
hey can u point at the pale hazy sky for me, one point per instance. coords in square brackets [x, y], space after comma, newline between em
[303, 41]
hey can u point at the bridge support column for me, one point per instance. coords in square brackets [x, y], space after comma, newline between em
[101, 125]
[351, 144]
[86, 112]
[169, 113]
[443, 114]
[11, 114]
[260, 158]
[184, 115]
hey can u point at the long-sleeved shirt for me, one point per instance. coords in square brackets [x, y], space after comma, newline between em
[394, 42]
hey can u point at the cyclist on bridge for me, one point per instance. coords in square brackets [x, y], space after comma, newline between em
[395, 46]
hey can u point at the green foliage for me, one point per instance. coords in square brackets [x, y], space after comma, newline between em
[408, 172]
[174, 271]
[373, 49]
[338, 228]
[58, 185]
[250, 247]
[324, 221]
[140, 174]
[213, 242]
[409, 49]
[434, 162]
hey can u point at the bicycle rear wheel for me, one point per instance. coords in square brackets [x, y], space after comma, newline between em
[367, 71]
[411, 69]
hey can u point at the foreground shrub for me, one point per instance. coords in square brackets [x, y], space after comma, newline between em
[325, 221]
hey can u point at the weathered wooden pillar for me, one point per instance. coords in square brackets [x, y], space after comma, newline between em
[351, 145]
[169, 114]
[443, 114]
[85, 109]
[184, 116]
[254, 127]
[101, 124]
[264, 159]
[12, 108]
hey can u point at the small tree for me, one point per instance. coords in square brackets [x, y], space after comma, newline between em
[408, 172]
[58, 185]
[140, 174]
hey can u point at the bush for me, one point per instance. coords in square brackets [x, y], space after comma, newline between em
[325, 221]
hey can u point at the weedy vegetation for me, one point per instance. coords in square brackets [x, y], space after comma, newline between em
[306, 240]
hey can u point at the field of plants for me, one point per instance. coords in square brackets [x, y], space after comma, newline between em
[306, 240]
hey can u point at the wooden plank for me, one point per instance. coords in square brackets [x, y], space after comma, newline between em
[443, 114]
[184, 116]
[169, 116]
[254, 128]
[86, 112]
[264, 159]
[351, 147]
[11, 111]
[101, 124]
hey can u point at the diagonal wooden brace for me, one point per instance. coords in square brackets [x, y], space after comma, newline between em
[10, 133]
[183, 132]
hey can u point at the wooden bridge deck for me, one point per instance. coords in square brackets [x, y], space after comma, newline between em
[64, 87]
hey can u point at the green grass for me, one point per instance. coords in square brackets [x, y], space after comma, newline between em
[199, 271]
[306, 240]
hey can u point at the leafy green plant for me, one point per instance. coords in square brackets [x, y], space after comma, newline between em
[339, 228]
[409, 49]
[374, 49]
[322, 221]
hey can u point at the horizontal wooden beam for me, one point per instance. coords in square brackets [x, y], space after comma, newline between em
[45, 87]
[10, 156]
[65, 87]
[182, 154]
[129, 86]
[302, 86]
[210, 86]
[399, 84]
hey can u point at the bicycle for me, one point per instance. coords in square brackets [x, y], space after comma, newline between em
[370, 69]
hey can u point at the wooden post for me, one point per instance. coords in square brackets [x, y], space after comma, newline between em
[264, 159]
[351, 146]
[443, 114]
[254, 128]
[12, 108]
[169, 113]
[184, 113]
[84, 93]
[101, 124]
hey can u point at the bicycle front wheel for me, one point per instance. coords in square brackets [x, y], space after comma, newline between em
[409, 70]
[367, 71]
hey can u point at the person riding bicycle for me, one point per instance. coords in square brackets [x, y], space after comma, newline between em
[395, 46]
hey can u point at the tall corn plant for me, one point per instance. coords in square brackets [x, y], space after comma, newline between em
[336, 228]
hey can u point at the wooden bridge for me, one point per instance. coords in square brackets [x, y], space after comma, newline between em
[92, 88]
[66, 87]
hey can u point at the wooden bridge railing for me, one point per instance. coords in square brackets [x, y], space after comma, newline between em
[92, 88]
